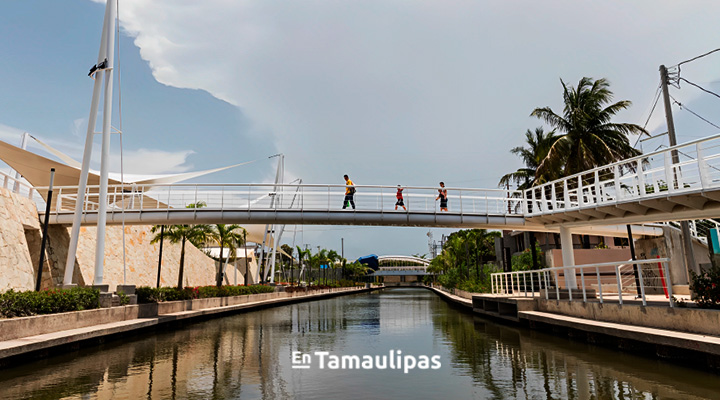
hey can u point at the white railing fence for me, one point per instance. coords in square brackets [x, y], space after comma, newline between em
[687, 167]
[19, 186]
[289, 196]
[603, 280]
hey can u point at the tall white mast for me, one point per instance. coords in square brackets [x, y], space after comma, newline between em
[103, 69]
[23, 145]
[279, 178]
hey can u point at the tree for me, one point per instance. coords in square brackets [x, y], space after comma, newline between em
[181, 234]
[230, 236]
[302, 254]
[589, 139]
[195, 234]
[539, 144]
[356, 269]
[464, 251]
[331, 260]
[287, 257]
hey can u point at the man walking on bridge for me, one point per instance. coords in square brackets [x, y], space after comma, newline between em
[349, 193]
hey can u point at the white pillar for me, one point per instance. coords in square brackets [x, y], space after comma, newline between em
[105, 152]
[568, 256]
[87, 154]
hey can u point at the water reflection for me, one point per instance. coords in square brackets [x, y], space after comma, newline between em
[249, 356]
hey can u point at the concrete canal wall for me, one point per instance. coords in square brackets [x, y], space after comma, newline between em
[688, 335]
[32, 337]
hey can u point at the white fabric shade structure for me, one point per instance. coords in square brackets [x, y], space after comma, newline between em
[36, 170]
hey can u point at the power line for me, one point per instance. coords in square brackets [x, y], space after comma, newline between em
[652, 110]
[682, 107]
[701, 88]
[695, 58]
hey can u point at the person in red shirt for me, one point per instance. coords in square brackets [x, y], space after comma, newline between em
[399, 196]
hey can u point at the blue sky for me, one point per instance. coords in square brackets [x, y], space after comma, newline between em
[390, 92]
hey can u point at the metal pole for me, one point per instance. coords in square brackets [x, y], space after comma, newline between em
[684, 226]
[45, 228]
[87, 154]
[162, 234]
[246, 257]
[632, 256]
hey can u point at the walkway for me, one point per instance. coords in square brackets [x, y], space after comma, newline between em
[51, 338]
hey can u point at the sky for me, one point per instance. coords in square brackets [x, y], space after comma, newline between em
[388, 92]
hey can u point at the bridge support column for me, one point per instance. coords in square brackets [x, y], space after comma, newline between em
[568, 256]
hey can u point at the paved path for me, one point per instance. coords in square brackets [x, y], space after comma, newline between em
[25, 345]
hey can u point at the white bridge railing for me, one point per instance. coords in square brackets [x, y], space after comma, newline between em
[599, 281]
[306, 197]
[696, 167]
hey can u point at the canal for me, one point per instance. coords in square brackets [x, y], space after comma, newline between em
[252, 356]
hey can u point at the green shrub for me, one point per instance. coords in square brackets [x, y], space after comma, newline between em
[524, 261]
[156, 295]
[21, 304]
[706, 287]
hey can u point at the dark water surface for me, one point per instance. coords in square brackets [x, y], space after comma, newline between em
[250, 356]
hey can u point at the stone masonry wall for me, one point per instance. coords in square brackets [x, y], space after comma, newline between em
[17, 214]
[20, 237]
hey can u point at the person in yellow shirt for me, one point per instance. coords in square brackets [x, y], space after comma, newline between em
[349, 193]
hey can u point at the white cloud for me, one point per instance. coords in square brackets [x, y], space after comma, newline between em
[79, 127]
[149, 162]
[412, 92]
[10, 134]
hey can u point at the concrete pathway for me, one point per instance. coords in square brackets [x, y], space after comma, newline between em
[25, 345]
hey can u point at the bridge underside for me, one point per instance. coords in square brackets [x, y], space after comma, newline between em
[298, 217]
[340, 217]
[663, 207]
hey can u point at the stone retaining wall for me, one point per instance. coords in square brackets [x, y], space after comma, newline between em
[20, 239]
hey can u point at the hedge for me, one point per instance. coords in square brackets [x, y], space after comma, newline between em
[22, 304]
[147, 294]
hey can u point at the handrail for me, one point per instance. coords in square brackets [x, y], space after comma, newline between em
[636, 158]
[293, 185]
[507, 281]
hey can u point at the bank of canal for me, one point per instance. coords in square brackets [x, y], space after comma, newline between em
[250, 356]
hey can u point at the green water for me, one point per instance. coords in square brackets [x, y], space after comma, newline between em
[250, 356]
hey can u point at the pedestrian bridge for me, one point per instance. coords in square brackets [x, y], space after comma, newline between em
[678, 183]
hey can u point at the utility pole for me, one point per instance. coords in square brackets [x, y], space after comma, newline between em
[684, 226]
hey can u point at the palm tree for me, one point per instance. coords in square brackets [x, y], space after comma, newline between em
[539, 144]
[589, 139]
[287, 257]
[332, 258]
[230, 236]
[182, 234]
[302, 254]
[195, 234]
